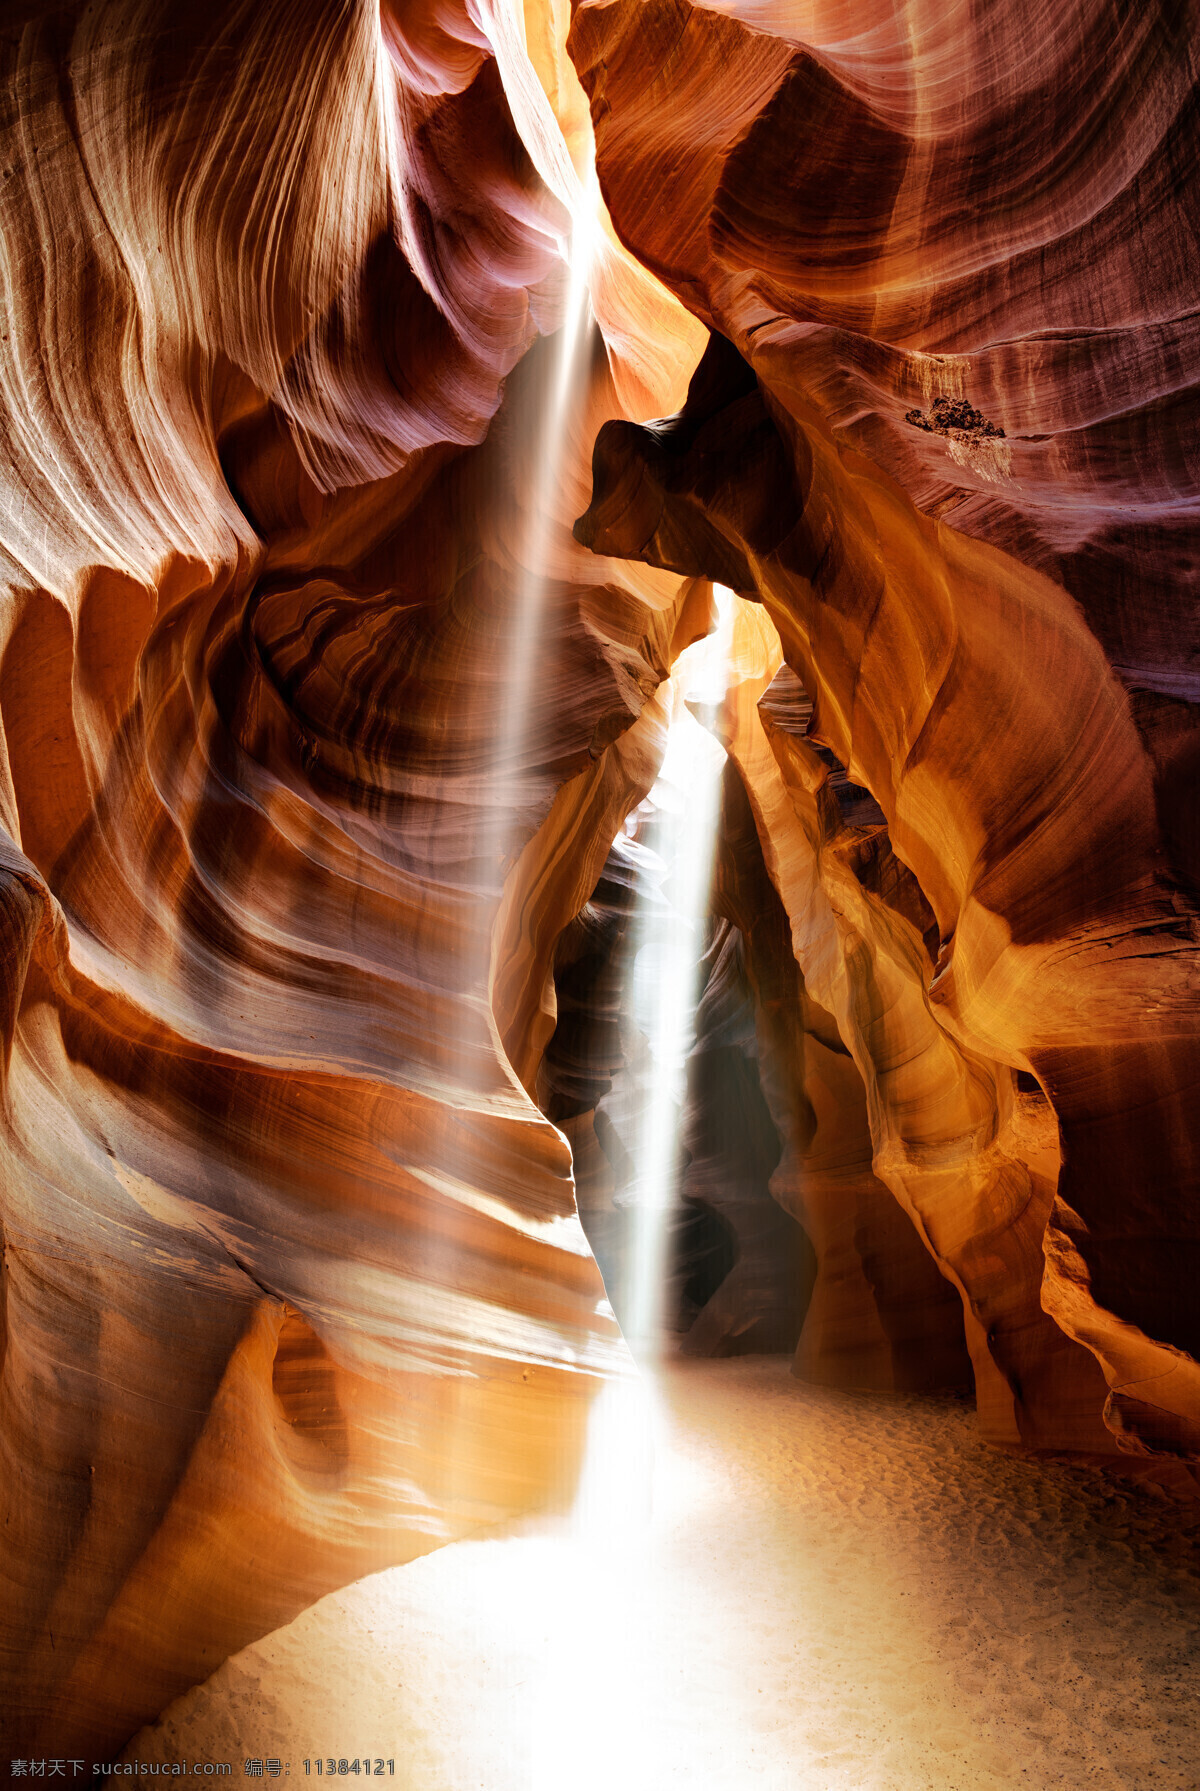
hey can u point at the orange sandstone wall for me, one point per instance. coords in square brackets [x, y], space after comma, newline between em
[946, 444]
[293, 1285]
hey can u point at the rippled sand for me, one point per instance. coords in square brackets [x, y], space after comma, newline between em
[829, 1592]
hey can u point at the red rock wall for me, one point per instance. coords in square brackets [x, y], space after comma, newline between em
[293, 1285]
[991, 207]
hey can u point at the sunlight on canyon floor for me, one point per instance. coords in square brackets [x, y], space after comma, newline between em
[827, 1591]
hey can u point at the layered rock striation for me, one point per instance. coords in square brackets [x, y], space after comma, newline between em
[996, 631]
[293, 1285]
[318, 727]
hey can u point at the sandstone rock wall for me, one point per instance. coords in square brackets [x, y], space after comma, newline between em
[293, 1285]
[318, 726]
[953, 584]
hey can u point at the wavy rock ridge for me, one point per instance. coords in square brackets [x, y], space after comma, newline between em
[309, 897]
[293, 1284]
[992, 629]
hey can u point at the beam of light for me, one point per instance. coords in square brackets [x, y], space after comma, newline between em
[590, 1580]
[602, 1569]
[589, 1568]
[532, 548]
[567, 390]
[666, 971]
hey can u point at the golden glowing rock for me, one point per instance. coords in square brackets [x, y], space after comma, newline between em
[879, 1315]
[293, 1283]
[318, 725]
[956, 255]
[966, 692]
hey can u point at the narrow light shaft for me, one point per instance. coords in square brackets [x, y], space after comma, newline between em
[667, 966]
[530, 590]
[605, 1563]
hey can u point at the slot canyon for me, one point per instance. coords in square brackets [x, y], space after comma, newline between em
[600, 893]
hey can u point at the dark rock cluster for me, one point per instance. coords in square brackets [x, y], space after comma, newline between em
[956, 417]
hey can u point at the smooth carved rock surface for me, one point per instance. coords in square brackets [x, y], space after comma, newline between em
[996, 204]
[878, 1313]
[970, 1161]
[293, 1284]
[297, 816]
[966, 692]
[984, 216]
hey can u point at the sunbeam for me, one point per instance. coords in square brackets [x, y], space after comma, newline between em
[680, 815]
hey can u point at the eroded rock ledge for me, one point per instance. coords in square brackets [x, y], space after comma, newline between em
[293, 1283]
[972, 678]
[293, 1280]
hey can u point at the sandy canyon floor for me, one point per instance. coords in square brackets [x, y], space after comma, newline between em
[826, 1591]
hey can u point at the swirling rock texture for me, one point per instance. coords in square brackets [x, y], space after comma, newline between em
[877, 1313]
[318, 728]
[945, 438]
[293, 1285]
